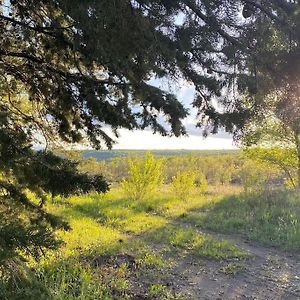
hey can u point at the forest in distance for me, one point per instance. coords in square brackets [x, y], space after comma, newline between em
[110, 154]
[254, 167]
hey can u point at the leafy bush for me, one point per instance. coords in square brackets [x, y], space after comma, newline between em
[183, 184]
[255, 176]
[201, 183]
[224, 174]
[290, 182]
[144, 177]
[284, 159]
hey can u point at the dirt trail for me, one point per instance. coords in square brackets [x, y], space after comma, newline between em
[266, 274]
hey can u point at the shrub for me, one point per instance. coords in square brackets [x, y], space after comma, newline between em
[290, 183]
[225, 174]
[144, 177]
[201, 183]
[183, 184]
[255, 176]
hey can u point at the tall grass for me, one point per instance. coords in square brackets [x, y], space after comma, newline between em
[271, 218]
[155, 233]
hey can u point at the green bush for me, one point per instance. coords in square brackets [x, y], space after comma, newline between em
[255, 177]
[201, 183]
[183, 184]
[144, 177]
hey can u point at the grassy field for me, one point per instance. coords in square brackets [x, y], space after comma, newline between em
[123, 249]
[126, 246]
[271, 219]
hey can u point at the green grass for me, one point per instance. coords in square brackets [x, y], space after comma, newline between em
[156, 234]
[70, 279]
[185, 241]
[272, 219]
[109, 227]
[112, 218]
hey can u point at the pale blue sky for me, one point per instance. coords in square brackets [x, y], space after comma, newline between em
[147, 140]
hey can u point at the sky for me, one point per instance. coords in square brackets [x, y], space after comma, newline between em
[139, 139]
[147, 140]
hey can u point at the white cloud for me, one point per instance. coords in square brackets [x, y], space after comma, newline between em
[147, 140]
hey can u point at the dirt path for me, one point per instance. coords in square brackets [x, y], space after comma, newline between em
[266, 274]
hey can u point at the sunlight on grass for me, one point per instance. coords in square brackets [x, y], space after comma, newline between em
[272, 219]
[114, 211]
[106, 227]
[141, 223]
[188, 240]
[88, 237]
[100, 222]
[69, 279]
[173, 208]
[163, 203]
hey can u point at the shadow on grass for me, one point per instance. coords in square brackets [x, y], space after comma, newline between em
[147, 235]
[270, 218]
[136, 219]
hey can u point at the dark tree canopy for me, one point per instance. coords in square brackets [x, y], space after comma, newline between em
[70, 68]
[86, 64]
